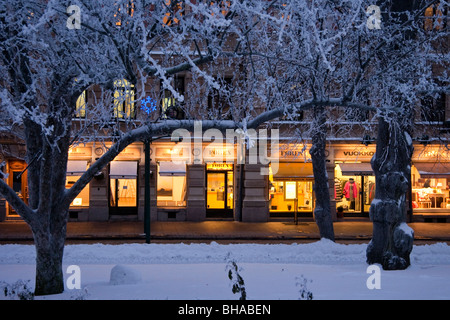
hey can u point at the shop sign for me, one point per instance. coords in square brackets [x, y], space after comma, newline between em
[219, 166]
[291, 152]
[171, 152]
[129, 153]
[354, 154]
[80, 152]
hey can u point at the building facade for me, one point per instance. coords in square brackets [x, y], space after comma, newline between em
[202, 181]
[183, 190]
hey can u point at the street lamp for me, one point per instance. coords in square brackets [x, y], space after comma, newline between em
[147, 142]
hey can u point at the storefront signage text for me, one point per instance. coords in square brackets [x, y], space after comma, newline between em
[219, 166]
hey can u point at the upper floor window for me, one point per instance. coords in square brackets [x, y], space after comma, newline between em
[223, 5]
[219, 100]
[433, 108]
[123, 10]
[174, 10]
[170, 106]
[80, 106]
[124, 100]
[435, 17]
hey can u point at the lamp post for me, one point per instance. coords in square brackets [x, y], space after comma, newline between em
[147, 191]
[147, 159]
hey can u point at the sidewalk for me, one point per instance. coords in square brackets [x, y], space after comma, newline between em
[219, 230]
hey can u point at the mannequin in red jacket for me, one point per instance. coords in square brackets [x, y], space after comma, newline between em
[351, 192]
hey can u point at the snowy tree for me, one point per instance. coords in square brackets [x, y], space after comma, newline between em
[285, 57]
[334, 58]
[51, 52]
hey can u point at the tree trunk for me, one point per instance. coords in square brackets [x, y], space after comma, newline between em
[49, 241]
[392, 239]
[322, 211]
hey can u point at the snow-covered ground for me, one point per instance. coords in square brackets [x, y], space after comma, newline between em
[270, 271]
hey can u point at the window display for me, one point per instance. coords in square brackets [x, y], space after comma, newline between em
[82, 199]
[171, 185]
[429, 192]
[353, 192]
[283, 194]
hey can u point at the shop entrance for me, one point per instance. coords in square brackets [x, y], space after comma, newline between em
[354, 188]
[219, 190]
[17, 180]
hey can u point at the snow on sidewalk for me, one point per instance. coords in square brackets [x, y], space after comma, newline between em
[270, 271]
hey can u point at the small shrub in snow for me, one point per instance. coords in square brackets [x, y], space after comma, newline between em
[237, 282]
[305, 294]
[19, 290]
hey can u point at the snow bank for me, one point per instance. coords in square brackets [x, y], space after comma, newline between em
[121, 274]
[320, 252]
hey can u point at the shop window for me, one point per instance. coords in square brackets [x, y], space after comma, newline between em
[123, 192]
[284, 194]
[75, 169]
[123, 187]
[82, 199]
[354, 190]
[430, 186]
[171, 184]
[124, 100]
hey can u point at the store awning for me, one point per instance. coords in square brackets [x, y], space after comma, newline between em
[169, 168]
[123, 170]
[433, 170]
[76, 167]
[356, 169]
[293, 171]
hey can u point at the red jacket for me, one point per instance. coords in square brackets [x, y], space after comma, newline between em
[346, 191]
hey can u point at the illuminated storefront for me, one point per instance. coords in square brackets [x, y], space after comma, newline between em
[354, 180]
[291, 184]
[430, 183]
[184, 188]
[291, 190]
[219, 189]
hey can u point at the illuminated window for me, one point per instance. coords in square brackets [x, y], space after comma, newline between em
[82, 199]
[434, 17]
[80, 109]
[174, 10]
[126, 9]
[124, 100]
[223, 5]
[171, 184]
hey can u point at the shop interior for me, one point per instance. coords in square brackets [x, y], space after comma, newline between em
[430, 192]
[353, 192]
[220, 187]
[285, 195]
